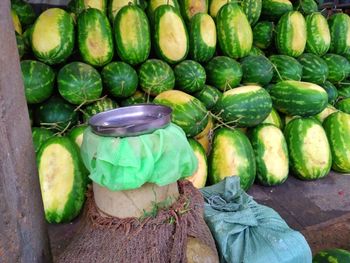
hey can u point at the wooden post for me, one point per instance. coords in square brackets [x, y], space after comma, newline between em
[23, 233]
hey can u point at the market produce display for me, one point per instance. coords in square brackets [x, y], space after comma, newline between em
[249, 82]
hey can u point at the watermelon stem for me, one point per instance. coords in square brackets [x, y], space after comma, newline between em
[222, 123]
[278, 73]
[88, 101]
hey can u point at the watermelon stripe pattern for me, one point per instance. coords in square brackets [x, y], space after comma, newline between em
[339, 26]
[286, 68]
[338, 67]
[252, 9]
[190, 76]
[315, 69]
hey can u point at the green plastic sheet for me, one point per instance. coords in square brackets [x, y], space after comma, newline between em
[161, 157]
[248, 232]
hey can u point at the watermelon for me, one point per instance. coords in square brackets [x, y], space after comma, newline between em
[339, 26]
[274, 118]
[136, 98]
[202, 38]
[154, 4]
[53, 36]
[156, 76]
[39, 136]
[207, 130]
[232, 155]
[288, 118]
[337, 127]
[325, 113]
[208, 96]
[298, 98]
[291, 34]
[189, 8]
[171, 41]
[190, 76]
[245, 106]
[263, 34]
[188, 112]
[76, 134]
[331, 91]
[255, 51]
[334, 255]
[132, 35]
[101, 105]
[120, 79]
[318, 38]
[215, 6]
[309, 151]
[271, 154]
[95, 38]
[78, 6]
[24, 11]
[343, 90]
[223, 73]
[235, 36]
[252, 9]
[115, 6]
[20, 45]
[79, 83]
[315, 69]
[38, 80]
[256, 70]
[306, 7]
[199, 177]
[343, 105]
[62, 179]
[274, 9]
[27, 35]
[16, 23]
[338, 67]
[286, 68]
[56, 114]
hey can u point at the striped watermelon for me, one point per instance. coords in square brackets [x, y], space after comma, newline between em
[338, 67]
[274, 118]
[271, 154]
[343, 90]
[306, 7]
[20, 45]
[190, 76]
[334, 255]
[298, 98]
[208, 96]
[154, 4]
[274, 9]
[136, 98]
[309, 151]
[256, 70]
[245, 106]
[202, 38]
[27, 36]
[337, 127]
[199, 178]
[291, 34]
[53, 36]
[24, 11]
[120, 79]
[339, 26]
[235, 35]
[115, 6]
[252, 9]
[318, 38]
[325, 113]
[315, 69]
[95, 38]
[39, 136]
[263, 34]
[343, 105]
[255, 51]
[331, 91]
[223, 73]
[286, 68]
[79, 83]
[215, 6]
[77, 134]
[97, 107]
[232, 155]
[132, 35]
[188, 112]
[156, 76]
[78, 6]
[190, 8]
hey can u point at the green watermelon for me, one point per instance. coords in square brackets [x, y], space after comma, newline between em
[154, 4]
[338, 67]
[339, 26]
[274, 9]
[115, 6]
[79, 83]
[318, 38]
[132, 35]
[39, 136]
[315, 69]
[306, 7]
[97, 107]
[215, 6]
[235, 36]
[337, 127]
[298, 98]
[199, 177]
[56, 114]
[76, 134]
[136, 98]
[263, 34]
[309, 151]
[188, 112]
[343, 90]
[232, 155]
[256, 70]
[343, 105]
[252, 9]
[27, 36]
[245, 106]
[331, 91]
[156, 76]
[291, 34]
[274, 118]
[95, 38]
[208, 96]
[334, 255]
[20, 45]
[53, 36]
[24, 11]
[286, 68]
[202, 38]
[325, 113]
[120, 79]
[16, 23]
[78, 6]
[271, 154]
[38, 80]
[189, 8]
[62, 179]
[190, 76]
[255, 51]
[223, 73]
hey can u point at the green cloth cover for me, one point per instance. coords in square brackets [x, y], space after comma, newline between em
[161, 157]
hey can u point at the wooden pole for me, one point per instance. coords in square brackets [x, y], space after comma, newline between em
[23, 233]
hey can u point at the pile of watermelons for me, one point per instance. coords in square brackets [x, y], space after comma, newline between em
[259, 86]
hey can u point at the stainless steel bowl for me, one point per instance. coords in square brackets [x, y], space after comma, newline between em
[131, 121]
